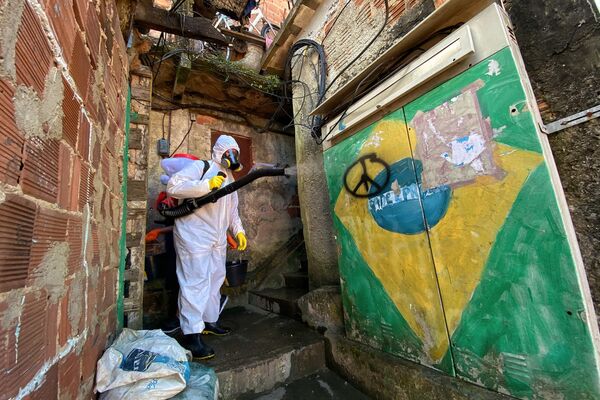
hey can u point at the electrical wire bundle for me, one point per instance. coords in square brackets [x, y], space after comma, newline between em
[310, 99]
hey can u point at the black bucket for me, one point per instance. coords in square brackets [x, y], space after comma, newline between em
[236, 272]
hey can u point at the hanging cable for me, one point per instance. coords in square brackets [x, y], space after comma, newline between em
[363, 51]
[405, 59]
[186, 134]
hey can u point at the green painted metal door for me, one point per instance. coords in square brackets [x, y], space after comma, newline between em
[507, 275]
[460, 234]
[391, 297]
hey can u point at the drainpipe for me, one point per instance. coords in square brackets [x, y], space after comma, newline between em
[123, 241]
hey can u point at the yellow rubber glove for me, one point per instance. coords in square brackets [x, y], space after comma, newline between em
[215, 182]
[242, 240]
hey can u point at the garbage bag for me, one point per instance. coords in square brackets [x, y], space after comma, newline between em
[145, 365]
[202, 385]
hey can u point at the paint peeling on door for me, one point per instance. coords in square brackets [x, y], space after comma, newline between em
[455, 141]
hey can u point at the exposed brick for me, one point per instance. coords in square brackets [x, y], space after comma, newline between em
[64, 326]
[109, 285]
[15, 241]
[73, 190]
[111, 326]
[51, 333]
[7, 333]
[96, 154]
[74, 238]
[31, 346]
[80, 67]
[111, 139]
[106, 165]
[48, 389]
[92, 350]
[40, 172]
[33, 57]
[49, 228]
[71, 115]
[95, 246]
[62, 19]
[91, 293]
[90, 107]
[112, 95]
[11, 140]
[105, 22]
[92, 32]
[80, 11]
[84, 138]
[69, 373]
[86, 185]
[102, 114]
[65, 176]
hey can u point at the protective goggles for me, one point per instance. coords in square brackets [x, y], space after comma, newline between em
[231, 160]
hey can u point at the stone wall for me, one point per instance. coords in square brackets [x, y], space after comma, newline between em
[344, 29]
[268, 207]
[560, 44]
[63, 87]
[137, 187]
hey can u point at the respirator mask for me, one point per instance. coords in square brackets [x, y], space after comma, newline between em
[231, 160]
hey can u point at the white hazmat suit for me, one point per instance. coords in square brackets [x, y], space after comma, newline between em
[201, 239]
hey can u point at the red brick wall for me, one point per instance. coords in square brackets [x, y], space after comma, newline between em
[345, 36]
[275, 11]
[63, 82]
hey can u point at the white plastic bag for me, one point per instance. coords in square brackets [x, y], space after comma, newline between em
[145, 365]
[203, 384]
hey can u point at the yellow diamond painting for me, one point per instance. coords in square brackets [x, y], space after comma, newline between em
[401, 259]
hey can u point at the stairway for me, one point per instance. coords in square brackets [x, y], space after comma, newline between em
[283, 301]
[270, 353]
[264, 350]
[323, 385]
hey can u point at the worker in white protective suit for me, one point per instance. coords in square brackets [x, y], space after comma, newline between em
[201, 242]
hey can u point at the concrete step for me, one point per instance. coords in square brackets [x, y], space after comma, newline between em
[324, 385]
[283, 301]
[263, 351]
[297, 280]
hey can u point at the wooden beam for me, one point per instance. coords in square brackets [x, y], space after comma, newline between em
[245, 36]
[299, 17]
[200, 28]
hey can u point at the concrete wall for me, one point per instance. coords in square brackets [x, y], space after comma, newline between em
[268, 207]
[63, 88]
[560, 44]
[343, 31]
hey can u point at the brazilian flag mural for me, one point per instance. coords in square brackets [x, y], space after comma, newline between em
[453, 250]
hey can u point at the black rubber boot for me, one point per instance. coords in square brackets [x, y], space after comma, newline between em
[171, 327]
[214, 329]
[196, 345]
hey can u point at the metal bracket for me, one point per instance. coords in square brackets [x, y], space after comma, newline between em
[572, 120]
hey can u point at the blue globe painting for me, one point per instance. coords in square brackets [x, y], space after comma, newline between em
[397, 207]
